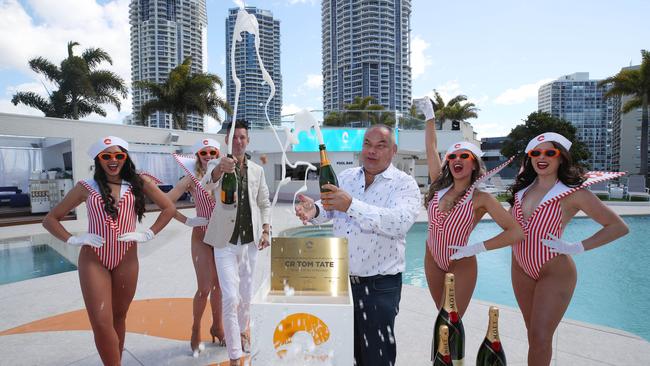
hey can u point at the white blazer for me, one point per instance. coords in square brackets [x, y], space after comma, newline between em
[222, 221]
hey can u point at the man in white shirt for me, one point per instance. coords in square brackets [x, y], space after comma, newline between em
[374, 207]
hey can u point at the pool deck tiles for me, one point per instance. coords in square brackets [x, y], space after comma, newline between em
[166, 272]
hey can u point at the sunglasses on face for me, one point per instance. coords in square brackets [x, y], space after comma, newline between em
[462, 156]
[551, 153]
[114, 155]
[206, 152]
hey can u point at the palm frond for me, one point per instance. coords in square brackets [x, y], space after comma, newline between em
[95, 56]
[632, 104]
[45, 67]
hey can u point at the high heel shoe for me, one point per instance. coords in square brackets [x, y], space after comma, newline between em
[245, 343]
[215, 334]
[196, 344]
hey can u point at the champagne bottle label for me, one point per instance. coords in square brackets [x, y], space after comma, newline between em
[491, 352]
[327, 174]
[449, 317]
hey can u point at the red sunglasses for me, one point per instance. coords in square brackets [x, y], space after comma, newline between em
[551, 153]
[115, 155]
[463, 156]
[211, 152]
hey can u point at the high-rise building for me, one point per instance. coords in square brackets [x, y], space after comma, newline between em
[254, 90]
[163, 34]
[626, 136]
[366, 46]
[581, 101]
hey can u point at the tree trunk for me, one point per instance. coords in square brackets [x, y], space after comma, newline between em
[644, 138]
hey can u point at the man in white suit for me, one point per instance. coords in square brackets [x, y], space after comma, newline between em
[237, 231]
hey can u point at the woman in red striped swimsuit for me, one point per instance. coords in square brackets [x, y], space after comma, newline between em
[202, 253]
[547, 193]
[454, 208]
[108, 259]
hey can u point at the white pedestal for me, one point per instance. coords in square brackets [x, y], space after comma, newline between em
[301, 330]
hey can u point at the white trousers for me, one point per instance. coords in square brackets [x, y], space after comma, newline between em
[235, 264]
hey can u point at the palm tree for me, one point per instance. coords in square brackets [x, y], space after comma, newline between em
[457, 109]
[636, 83]
[182, 94]
[81, 88]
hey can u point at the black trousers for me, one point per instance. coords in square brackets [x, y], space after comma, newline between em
[376, 303]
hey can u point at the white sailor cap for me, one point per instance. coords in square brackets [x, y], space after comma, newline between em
[104, 143]
[205, 143]
[548, 137]
[464, 145]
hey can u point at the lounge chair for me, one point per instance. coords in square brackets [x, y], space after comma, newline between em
[636, 187]
[600, 188]
[499, 187]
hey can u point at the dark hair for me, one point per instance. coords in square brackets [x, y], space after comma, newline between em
[446, 179]
[568, 172]
[127, 173]
[240, 123]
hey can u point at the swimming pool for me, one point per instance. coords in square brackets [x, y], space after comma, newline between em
[613, 286]
[30, 257]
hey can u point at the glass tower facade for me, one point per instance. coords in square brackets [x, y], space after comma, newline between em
[581, 101]
[254, 90]
[366, 48]
[163, 34]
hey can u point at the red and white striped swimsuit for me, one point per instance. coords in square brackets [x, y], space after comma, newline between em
[530, 253]
[449, 228]
[102, 224]
[203, 201]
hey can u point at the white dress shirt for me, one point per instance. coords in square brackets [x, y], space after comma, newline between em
[377, 221]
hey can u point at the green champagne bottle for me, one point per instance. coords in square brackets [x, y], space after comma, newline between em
[491, 352]
[449, 316]
[327, 175]
[229, 187]
[443, 358]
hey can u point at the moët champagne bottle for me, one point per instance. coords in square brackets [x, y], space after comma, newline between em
[449, 316]
[327, 175]
[229, 187]
[491, 352]
[442, 357]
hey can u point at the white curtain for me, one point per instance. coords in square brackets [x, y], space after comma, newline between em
[17, 164]
[160, 165]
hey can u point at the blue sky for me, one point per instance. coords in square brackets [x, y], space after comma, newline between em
[497, 52]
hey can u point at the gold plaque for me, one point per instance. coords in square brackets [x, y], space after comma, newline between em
[309, 266]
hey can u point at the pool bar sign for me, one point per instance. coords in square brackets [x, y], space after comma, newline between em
[309, 266]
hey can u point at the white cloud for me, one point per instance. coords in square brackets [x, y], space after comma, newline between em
[447, 90]
[420, 61]
[520, 94]
[53, 24]
[314, 81]
[291, 109]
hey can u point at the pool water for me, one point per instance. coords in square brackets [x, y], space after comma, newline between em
[22, 262]
[613, 286]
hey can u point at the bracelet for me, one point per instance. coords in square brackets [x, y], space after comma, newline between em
[317, 211]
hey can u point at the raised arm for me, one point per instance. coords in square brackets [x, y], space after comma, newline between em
[431, 143]
[425, 105]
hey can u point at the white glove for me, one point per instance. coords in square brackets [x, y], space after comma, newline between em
[138, 236]
[93, 240]
[558, 245]
[425, 105]
[196, 221]
[463, 251]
